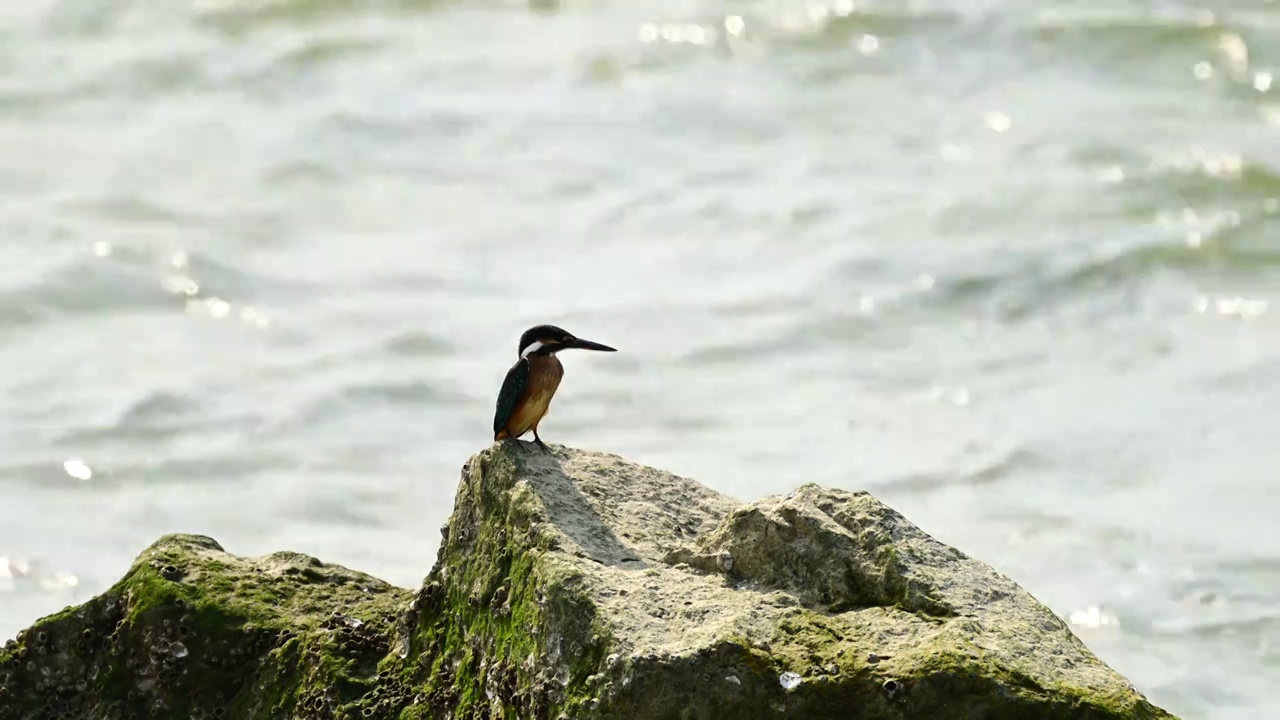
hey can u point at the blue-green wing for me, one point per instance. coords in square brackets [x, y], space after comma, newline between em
[514, 384]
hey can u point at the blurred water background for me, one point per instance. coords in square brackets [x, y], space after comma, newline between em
[1014, 267]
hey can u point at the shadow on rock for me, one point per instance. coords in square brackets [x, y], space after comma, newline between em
[578, 585]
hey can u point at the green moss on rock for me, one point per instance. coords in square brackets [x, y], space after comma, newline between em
[502, 627]
[192, 631]
[577, 585]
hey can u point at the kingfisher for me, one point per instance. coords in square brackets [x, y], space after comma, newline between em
[530, 383]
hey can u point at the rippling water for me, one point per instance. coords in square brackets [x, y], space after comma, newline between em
[1014, 267]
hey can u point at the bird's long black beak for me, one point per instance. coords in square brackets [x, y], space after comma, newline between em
[581, 344]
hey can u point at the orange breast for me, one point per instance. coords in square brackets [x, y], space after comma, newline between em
[544, 378]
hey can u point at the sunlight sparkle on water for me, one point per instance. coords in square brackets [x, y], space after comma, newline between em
[17, 573]
[180, 285]
[77, 469]
[1235, 52]
[1238, 307]
[1199, 159]
[218, 307]
[675, 33]
[215, 306]
[998, 121]
[1093, 618]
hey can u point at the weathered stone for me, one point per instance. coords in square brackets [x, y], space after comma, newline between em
[578, 585]
[193, 631]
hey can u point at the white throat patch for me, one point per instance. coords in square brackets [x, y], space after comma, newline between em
[535, 347]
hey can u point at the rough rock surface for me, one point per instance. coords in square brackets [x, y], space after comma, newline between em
[577, 585]
[194, 632]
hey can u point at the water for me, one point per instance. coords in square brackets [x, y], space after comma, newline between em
[1013, 267]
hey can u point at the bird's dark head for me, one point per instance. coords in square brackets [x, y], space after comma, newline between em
[542, 340]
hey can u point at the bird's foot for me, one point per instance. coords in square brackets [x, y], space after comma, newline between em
[541, 444]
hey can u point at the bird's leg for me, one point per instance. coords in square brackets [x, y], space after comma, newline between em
[539, 440]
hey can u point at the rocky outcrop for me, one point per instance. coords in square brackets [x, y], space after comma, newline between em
[577, 585]
[192, 631]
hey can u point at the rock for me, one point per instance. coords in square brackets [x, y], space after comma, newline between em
[577, 585]
[193, 631]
